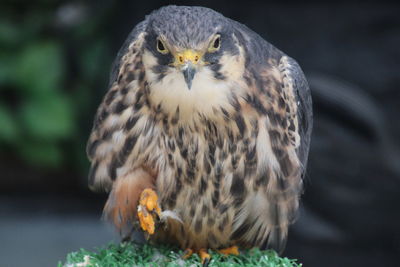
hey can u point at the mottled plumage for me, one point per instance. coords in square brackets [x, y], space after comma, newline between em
[225, 150]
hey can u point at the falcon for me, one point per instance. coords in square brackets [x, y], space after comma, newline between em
[203, 136]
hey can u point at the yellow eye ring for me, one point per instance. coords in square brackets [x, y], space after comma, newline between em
[215, 44]
[161, 47]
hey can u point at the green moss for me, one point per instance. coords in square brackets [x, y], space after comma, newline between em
[128, 255]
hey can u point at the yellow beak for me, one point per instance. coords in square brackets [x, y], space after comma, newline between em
[186, 61]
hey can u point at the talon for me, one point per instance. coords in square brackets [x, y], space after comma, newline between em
[206, 262]
[204, 256]
[234, 250]
[148, 209]
[187, 253]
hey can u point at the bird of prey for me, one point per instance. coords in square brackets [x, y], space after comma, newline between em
[203, 136]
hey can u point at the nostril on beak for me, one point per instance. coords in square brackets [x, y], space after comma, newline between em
[181, 59]
[196, 59]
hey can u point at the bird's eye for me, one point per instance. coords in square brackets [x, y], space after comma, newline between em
[215, 44]
[161, 47]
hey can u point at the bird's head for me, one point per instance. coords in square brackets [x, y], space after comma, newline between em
[191, 58]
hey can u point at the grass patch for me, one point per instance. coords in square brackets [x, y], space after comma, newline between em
[128, 255]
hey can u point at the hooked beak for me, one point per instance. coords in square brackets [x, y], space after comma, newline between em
[188, 72]
[187, 61]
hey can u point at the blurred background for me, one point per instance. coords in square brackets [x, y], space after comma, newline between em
[55, 58]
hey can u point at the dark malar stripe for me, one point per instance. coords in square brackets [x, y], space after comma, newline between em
[216, 69]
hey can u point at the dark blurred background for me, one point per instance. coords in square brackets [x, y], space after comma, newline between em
[54, 62]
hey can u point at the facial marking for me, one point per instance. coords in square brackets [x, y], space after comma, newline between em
[206, 93]
[197, 75]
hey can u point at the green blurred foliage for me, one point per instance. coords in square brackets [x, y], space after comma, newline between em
[50, 74]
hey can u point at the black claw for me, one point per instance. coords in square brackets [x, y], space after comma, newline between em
[126, 239]
[206, 262]
[155, 216]
[186, 254]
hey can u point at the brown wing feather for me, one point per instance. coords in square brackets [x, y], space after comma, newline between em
[111, 142]
[277, 183]
[285, 187]
[278, 91]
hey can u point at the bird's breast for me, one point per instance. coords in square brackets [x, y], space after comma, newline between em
[201, 180]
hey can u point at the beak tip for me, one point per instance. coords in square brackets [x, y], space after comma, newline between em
[188, 74]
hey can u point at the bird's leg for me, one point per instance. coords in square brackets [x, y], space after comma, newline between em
[148, 210]
[234, 250]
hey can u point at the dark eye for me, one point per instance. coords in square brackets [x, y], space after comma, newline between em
[215, 44]
[161, 47]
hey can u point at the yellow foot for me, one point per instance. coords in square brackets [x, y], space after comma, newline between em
[148, 210]
[234, 250]
[203, 254]
[187, 253]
